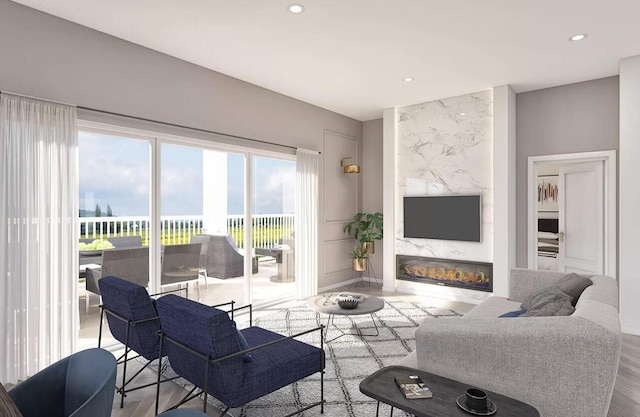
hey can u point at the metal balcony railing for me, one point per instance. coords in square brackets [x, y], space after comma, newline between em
[267, 229]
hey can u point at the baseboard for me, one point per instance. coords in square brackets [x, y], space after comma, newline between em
[631, 330]
[328, 288]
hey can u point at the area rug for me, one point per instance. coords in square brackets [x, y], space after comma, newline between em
[350, 358]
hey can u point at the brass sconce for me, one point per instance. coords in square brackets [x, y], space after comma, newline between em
[349, 168]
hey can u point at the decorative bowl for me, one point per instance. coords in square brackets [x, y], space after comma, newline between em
[348, 303]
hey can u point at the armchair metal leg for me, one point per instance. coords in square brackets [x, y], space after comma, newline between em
[124, 370]
[322, 364]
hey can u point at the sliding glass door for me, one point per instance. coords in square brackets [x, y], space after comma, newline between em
[201, 222]
[114, 218]
[216, 220]
[272, 218]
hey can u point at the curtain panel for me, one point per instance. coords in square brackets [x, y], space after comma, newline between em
[38, 235]
[306, 223]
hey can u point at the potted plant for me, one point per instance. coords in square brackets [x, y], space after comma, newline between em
[359, 256]
[366, 228]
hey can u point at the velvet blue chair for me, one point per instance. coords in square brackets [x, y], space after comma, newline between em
[133, 321]
[236, 367]
[80, 385]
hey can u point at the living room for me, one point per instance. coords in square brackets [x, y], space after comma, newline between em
[580, 99]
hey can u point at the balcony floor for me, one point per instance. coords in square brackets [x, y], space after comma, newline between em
[218, 291]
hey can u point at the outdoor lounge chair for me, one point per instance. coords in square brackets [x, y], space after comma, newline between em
[181, 265]
[80, 385]
[205, 348]
[126, 242]
[220, 257]
[129, 264]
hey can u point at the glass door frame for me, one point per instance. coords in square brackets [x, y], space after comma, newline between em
[155, 140]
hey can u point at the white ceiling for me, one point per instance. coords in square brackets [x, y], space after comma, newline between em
[350, 56]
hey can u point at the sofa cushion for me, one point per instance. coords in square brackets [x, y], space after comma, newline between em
[242, 342]
[515, 313]
[7, 407]
[492, 307]
[573, 285]
[551, 301]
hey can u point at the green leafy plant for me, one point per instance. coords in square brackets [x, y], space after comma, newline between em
[365, 227]
[359, 253]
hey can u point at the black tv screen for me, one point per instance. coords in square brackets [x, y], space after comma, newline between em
[447, 217]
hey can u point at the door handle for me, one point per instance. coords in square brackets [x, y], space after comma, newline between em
[560, 236]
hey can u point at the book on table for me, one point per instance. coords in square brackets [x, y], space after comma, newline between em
[412, 387]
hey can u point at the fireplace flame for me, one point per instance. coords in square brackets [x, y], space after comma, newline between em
[440, 273]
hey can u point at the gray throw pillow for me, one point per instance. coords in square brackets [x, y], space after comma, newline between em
[7, 407]
[573, 285]
[550, 301]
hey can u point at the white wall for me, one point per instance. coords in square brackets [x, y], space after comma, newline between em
[504, 188]
[372, 180]
[629, 197]
[573, 118]
[389, 133]
[446, 147]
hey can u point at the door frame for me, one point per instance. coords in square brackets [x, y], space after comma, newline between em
[610, 203]
[156, 139]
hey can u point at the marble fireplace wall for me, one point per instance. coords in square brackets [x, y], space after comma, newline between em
[446, 147]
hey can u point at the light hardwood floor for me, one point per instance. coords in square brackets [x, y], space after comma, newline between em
[625, 401]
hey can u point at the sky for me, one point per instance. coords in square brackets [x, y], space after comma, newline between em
[115, 171]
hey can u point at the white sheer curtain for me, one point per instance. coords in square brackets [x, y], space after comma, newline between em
[307, 172]
[38, 239]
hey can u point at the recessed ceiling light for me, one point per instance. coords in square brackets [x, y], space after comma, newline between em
[296, 8]
[407, 79]
[578, 37]
[462, 114]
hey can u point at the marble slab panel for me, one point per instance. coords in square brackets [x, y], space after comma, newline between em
[445, 147]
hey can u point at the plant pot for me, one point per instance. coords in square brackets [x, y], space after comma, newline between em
[370, 247]
[359, 264]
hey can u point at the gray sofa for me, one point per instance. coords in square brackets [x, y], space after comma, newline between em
[563, 366]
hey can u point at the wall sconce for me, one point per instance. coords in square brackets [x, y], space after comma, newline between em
[349, 168]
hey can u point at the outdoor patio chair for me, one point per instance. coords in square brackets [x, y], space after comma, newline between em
[129, 264]
[119, 242]
[181, 265]
[126, 242]
[133, 321]
[234, 366]
[80, 385]
[221, 258]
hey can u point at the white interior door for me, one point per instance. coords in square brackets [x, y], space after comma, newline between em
[581, 218]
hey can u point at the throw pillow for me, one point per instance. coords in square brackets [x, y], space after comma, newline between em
[573, 285]
[516, 313]
[551, 301]
[242, 342]
[7, 407]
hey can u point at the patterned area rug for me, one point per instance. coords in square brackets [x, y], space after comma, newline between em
[350, 358]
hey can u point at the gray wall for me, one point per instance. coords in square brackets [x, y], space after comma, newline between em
[47, 57]
[372, 179]
[579, 117]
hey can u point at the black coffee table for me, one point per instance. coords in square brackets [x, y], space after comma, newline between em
[381, 386]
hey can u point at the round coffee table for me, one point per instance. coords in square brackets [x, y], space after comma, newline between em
[327, 304]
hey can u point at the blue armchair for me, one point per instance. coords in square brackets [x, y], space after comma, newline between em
[80, 385]
[133, 321]
[236, 367]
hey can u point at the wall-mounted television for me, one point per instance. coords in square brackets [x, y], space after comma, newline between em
[444, 217]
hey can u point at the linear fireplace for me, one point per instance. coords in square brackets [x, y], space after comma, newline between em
[448, 272]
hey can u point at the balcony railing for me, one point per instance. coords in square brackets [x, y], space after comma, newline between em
[267, 229]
